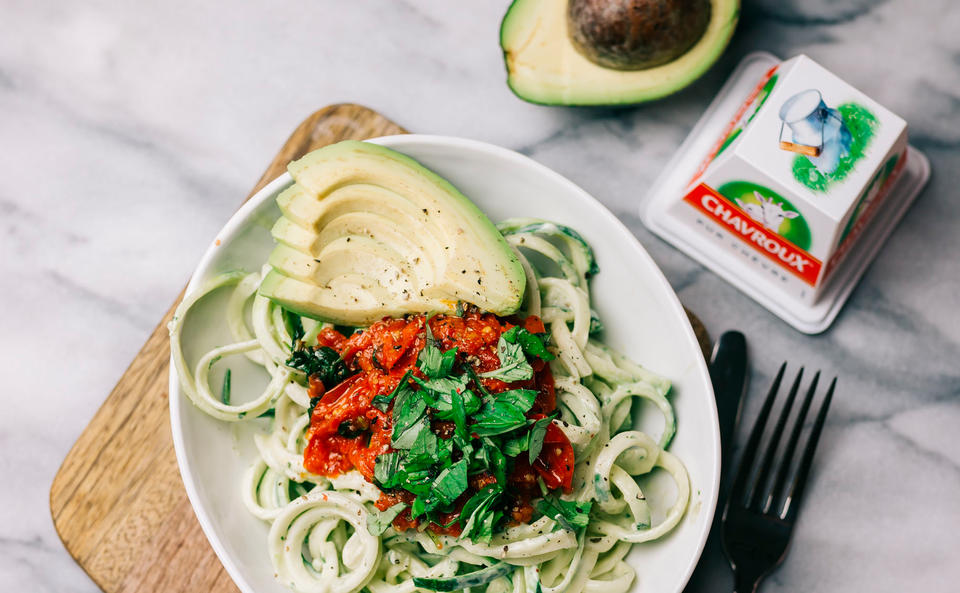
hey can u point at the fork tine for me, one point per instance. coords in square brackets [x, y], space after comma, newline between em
[780, 481]
[792, 503]
[737, 489]
[756, 491]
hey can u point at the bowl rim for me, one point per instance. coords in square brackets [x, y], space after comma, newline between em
[709, 490]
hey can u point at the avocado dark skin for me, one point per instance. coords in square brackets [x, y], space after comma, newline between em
[635, 34]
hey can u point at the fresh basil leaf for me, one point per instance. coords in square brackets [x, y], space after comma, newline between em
[382, 402]
[569, 514]
[494, 419]
[408, 409]
[443, 385]
[505, 413]
[483, 532]
[444, 451]
[429, 360]
[225, 389]
[434, 364]
[521, 398]
[513, 364]
[322, 362]
[533, 344]
[378, 522]
[387, 471]
[496, 462]
[411, 434]
[440, 394]
[419, 482]
[458, 411]
[476, 501]
[423, 451]
[478, 518]
[422, 505]
[537, 434]
[452, 482]
[516, 445]
[511, 334]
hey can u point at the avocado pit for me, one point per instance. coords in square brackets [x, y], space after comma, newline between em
[636, 34]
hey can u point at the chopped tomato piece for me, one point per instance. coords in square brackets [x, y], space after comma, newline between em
[555, 462]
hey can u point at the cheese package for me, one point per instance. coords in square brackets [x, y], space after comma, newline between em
[783, 180]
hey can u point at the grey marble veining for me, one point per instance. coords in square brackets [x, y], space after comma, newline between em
[129, 132]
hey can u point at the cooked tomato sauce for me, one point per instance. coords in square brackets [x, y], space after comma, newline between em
[346, 432]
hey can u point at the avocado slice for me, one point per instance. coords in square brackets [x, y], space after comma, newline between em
[544, 66]
[367, 232]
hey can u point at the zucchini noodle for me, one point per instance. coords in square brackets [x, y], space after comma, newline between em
[318, 539]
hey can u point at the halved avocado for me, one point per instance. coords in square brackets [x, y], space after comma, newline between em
[545, 66]
[368, 232]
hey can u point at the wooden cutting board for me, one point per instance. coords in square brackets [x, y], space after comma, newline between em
[117, 501]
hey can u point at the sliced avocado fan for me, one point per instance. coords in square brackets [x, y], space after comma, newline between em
[368, 232]
[544, 66]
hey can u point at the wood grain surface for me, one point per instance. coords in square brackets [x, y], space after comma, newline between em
[117, 501]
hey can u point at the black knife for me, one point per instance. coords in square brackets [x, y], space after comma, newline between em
[728, 373]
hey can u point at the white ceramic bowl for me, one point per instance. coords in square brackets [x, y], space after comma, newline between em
[641, 312]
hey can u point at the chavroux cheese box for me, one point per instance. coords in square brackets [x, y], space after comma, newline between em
[796, 175]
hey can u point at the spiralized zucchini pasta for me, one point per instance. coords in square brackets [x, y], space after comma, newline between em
[454, 452]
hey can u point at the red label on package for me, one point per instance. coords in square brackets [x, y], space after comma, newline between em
[739, 224]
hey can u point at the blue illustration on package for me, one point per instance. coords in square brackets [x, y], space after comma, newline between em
[815, 130]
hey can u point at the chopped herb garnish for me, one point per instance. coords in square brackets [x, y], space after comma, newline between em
[479, 516]
[494, 459]
[407, 435]
[513, 364]
[570, 514]
[537, 434]
[435, 364]
[382, 402]
[435, 462]
[424, 450]
[452, 482]
[225, 389]
[422, 505]
[387, 470]
[377, 523]
[533, 344]
[506, 412]
[516, 445]
[323, 362]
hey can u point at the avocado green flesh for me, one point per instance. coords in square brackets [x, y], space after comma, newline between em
[367, 232]
[544, 67]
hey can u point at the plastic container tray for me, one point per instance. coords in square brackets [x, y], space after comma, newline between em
[672, 185]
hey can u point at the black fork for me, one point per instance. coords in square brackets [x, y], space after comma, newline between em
[757, 519]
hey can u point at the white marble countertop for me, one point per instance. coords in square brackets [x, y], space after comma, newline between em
[130, 131]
